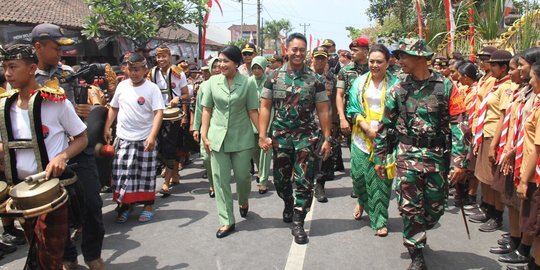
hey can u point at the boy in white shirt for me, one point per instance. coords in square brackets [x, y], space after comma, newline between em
[139, 106]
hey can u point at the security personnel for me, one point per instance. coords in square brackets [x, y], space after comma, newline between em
[326, 169]
[425, 114]
[48, 40]
[295, 92]
[248, 52]
[333, 57]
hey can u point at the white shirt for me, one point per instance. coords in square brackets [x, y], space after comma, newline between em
[178, 83]
[136, 106]
[57, 119]
[373, 97]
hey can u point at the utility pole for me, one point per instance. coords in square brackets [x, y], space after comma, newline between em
[305, 26]
[262, 35]
[259, 26]
[241, 19]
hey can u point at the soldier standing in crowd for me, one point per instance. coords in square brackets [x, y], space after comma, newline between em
[333, 57]
[248, 52]
[426, 114]
[48, 39]
[276, 62]
[295, 92]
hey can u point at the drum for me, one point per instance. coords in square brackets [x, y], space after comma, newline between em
[4, 196]
[172, 114]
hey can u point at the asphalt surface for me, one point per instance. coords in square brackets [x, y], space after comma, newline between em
[182, 235]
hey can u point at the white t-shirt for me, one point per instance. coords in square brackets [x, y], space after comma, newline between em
[57, 119]
[178, 83]
[136, 106]
[373, 96]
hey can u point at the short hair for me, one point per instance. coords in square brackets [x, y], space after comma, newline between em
[296, 36]
[469, 69]
[232, 52]
[382, 49]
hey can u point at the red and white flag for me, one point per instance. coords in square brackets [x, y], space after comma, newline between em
[508, 6]
[251, 38]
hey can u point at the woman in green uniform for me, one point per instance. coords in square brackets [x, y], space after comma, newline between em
[228, 107]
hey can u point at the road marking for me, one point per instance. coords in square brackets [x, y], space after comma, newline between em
[297, 253]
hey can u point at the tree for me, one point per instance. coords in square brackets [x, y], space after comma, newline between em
[140, 20]
[274, 28]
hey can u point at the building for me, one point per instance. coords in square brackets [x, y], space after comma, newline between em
[243, 32]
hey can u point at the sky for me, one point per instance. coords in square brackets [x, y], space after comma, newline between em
[326, 19]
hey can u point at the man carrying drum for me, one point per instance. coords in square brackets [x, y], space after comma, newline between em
[37, 119]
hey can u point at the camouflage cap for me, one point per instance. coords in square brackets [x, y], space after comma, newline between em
[17, 51]
[414, 47]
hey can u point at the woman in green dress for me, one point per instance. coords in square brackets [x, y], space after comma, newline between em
[229, 105]
[366, 107]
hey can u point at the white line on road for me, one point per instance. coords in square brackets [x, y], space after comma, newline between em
[297, 253]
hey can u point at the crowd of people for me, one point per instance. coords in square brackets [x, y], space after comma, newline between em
[422, 125]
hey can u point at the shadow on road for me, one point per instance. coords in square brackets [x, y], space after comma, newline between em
[146, 262]
[446, 260]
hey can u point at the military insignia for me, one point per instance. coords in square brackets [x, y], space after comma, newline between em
[247, 46]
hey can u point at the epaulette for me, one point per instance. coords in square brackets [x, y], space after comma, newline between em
[176, 71]
[51, 91]
[5, 94]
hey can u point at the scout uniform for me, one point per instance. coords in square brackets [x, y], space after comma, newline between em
[231, 139]
[423, 115]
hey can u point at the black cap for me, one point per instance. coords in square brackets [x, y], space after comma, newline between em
[500, 56]
[486, 51]
[52, 32]
[249, 47]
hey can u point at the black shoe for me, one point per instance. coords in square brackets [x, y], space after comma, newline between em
[353, 195]
[531, 265]
[320, 194]
[503, 241]
[6, 249]
[491, 225]
[331, 176]
[263, 191]
[339, 168]
[222, 233]
[288, 211]
[244, 211]
[106, 189]
[300, 235]
[13, 239]
[211, 193]
[204, 175]
[479, 218]
[502, 249]
[417, 257]
[472, 212]
[513, 257]
[470, 206]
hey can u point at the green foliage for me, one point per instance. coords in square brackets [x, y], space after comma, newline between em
[238, 43]
[273, 29]
[488, 18]
[140, 20]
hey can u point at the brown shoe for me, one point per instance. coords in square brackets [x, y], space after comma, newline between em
[96, 264]
[67, 265]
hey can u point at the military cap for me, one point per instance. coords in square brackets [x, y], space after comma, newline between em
[486, 51]
[276, 57]
[359, 42]
[16, 52]
[500, 56]
[320, 51]
[414, 47]
[328, 43]
[249, 47]
[52, 32]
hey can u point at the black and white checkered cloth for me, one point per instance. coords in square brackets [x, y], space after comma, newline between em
[134, 170]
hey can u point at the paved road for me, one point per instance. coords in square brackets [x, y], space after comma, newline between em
[182, 236]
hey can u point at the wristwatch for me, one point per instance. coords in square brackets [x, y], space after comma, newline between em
[328, 139]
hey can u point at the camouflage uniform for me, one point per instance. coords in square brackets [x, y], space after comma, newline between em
[294, 131]
[346, 76]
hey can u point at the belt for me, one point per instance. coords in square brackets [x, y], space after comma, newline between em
[421, 142]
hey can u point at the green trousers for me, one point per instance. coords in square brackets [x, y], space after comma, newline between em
[206, 163]
[373, 192]
[421, 198]
[222, 163]
[262, 161]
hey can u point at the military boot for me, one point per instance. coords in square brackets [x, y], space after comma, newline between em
[320, 194]
[300, 236]
[288, 210]
[417, 257]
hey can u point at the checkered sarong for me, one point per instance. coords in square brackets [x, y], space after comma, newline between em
[133, 172]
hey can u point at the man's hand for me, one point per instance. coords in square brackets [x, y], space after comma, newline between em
[107, 135]
[149, 144]
[196, 135]
[174, 102]
[83, 110]
[381, 171]
[344, 127]
[326, 149]
[56, 166]
[522, 190]
[457, 175]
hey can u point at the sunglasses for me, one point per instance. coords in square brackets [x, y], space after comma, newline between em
[247, 54]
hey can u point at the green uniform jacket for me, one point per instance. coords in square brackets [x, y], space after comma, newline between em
[197, 121]
[230, 126]
[424, 109]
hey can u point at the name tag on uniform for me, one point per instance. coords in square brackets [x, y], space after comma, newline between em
[280, 94]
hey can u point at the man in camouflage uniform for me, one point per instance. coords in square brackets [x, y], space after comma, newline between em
[295, 92]
[424, 118]
[326, 168]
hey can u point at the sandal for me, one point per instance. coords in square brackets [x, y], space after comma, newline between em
[358, 211]
[146, 216]
[382, 232]
[123, 217]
